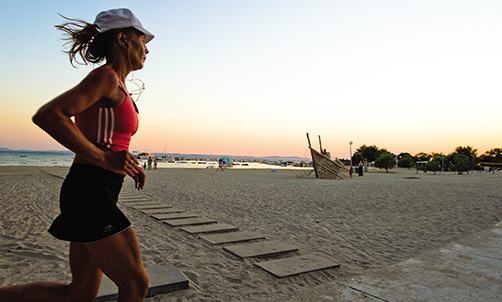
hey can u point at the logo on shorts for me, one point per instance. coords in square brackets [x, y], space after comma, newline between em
[108, 228]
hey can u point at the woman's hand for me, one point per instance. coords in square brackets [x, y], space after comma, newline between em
[124, 163]
[139, 179]
[121, 162]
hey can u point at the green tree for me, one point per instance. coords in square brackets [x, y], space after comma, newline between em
[370, 153]
[448, 163]
[403, 154]
[433, 165]
[467, 151]
[439, 159]
[383, 151]
[462, 162]
[422, 156]
[385, 161]
[356, 158]
[470, 152]
[361, 148]
[406, 161]
[492, 156]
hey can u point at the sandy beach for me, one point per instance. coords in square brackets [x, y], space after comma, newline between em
[364, 224]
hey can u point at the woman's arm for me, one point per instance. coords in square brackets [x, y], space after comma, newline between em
[55, 119]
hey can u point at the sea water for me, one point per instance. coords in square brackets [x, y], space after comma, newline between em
[65, 159]
[36, 158]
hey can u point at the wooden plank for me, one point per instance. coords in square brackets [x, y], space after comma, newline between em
[128, 196]
[231, 237]
[174, 216]
[163, 279]
[260, 249]
[296, 265]
[330, 175]
[325, 167]
[150, 206]
[146, 204]
[210, 228]
[137, 200]
[189, 221]
[164, 210]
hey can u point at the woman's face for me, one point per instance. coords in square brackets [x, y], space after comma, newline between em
[137, 49]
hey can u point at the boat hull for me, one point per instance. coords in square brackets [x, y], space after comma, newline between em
[325, 168]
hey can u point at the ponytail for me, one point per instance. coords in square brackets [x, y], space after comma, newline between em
[86, 41]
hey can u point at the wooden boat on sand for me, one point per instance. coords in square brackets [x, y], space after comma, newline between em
[324, 167]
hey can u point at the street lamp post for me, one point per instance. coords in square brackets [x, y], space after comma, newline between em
[350, 145]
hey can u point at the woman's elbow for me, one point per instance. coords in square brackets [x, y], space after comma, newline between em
[36, 118]
[44, 117]
[39, 117]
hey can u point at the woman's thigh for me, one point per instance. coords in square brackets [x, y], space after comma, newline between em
[119, 258]
[85, 272]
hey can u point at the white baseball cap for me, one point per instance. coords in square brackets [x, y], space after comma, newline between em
[120, 18]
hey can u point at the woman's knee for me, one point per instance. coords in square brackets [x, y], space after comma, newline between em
[136, 285]
[119, 258]
[142, 281]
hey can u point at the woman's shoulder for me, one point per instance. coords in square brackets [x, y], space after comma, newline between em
[103, 84]
[105, 73]
[103, 76]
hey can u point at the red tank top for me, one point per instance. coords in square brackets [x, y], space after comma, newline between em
[109, 126]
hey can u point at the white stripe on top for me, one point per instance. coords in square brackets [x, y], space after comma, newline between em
[106, 125]
[100, 114]
[105, 129]
[112, 125]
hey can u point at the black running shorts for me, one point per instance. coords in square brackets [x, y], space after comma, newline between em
[88, 203]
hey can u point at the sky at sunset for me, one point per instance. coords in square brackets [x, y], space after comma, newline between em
[250, 78]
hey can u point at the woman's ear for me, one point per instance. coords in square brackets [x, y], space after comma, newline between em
[122, 40]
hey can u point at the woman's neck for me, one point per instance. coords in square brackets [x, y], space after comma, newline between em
[120, 65]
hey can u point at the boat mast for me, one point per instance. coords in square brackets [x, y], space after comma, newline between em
[312, 154]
